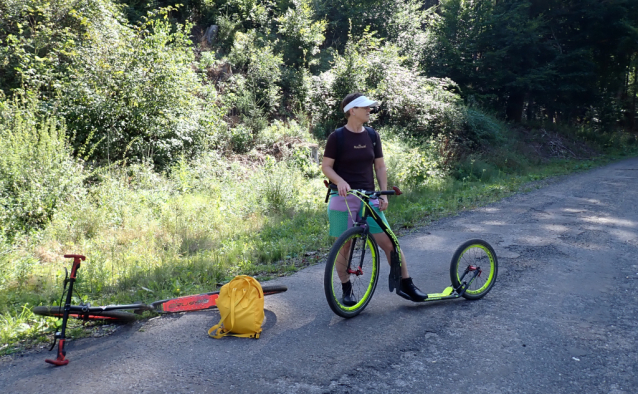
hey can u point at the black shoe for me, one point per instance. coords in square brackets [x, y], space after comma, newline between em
[348, 295]
[410, 292]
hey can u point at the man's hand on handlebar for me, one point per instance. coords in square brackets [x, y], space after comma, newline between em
[383, 203]
[343, 188]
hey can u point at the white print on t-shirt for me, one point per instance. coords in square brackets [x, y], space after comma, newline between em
[360, 146]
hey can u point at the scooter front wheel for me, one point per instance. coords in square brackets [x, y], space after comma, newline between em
[353, 258]
[474, 267]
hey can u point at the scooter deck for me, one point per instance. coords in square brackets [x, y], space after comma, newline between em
[445, 294]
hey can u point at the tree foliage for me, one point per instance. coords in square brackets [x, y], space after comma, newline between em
[125, 91]
[135, 80]
[560, 61]
[139, 97]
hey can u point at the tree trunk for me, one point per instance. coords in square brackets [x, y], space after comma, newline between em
[550, 115]
[632, 124]
[530, 107]
[515, 104]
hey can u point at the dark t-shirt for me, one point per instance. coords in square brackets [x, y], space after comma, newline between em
[355, 165]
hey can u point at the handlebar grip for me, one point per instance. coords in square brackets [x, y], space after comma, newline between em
[394, 192]
[329, 185]
[77, 259]
[75, 256]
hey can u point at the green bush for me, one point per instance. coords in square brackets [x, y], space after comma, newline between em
[226, 34]
[278, 131]
[298, 83]
[423, 106]
[302, 36]
[139, 97]
[38, 39]
[242, 139]
[123, 91]
[37, 171]
[278, 187]
[301, 159]
[474, 168]
[411, 163]
[483, 128]
[262, 68]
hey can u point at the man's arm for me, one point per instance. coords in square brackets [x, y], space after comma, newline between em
[327, 165]
[382, 177]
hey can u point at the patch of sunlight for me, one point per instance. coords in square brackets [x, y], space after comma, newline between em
[559, 228]
[612, 221]
[434, 242]
[533, 240]
[495, 223]
[290, 314]
[623, 235]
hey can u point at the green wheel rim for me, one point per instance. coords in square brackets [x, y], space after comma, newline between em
[492, 268]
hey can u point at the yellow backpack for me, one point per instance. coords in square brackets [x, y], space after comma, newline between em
[241, 305]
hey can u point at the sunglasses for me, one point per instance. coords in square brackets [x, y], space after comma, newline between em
[373, 110]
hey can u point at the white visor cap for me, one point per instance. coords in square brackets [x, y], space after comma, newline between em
[362, 101]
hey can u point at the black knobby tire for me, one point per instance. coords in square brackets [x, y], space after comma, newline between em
[115, 316]
[363, 284]
[273, 289]
[474, 253]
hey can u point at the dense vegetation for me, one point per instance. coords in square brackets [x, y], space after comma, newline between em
[170, 141]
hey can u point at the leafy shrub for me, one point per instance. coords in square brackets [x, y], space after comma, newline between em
[298, 83]
[302, 36]
[201, 174]
[262, 69]
[411, 163]
[302, 160]
[279, 130]
[481, 127]
[38, 38]
[278, 187]
[139, 96]
[473, 168]
[242, 139]
[37, 171]
[424, 106]
[226, 34]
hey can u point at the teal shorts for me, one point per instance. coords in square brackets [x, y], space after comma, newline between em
[341, 218]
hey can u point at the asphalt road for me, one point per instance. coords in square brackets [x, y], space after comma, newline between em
[562, 317]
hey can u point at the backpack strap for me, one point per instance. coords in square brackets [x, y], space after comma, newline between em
[340, 137]
[373, 136]
[218, 331]
[340, 143]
